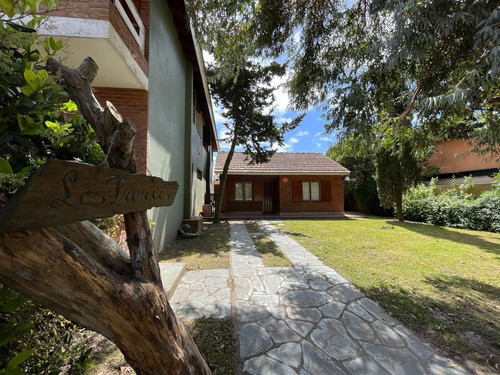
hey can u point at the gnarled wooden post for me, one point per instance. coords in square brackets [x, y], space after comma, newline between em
[81, 273]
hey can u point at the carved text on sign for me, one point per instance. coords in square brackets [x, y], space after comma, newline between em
[116, 191]
[61, 192]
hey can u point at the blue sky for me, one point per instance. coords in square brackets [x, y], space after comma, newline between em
[309, 136]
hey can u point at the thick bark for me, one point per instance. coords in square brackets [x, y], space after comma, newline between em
[116, 137]
[86, 277]
[79, 272]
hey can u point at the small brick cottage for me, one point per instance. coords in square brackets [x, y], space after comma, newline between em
[290, 183]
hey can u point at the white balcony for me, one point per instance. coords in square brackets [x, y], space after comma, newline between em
[116, 44]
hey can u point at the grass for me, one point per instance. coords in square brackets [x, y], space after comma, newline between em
[217, 344]
[210, 250]
[443, 283]
[270, 253]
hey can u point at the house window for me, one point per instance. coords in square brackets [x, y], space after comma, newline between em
[311, 191]
[243, 191]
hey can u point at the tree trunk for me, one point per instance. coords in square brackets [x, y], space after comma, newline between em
[84, 275]
[399, 207]
[223, 177]
[81, 273]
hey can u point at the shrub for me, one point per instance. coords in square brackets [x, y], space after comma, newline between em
[34, 340]
[455, 207]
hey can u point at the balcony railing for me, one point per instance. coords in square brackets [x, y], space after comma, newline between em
[132, 19]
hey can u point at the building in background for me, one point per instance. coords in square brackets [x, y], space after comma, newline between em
[290, 184]
[452, 159]
[152, 70]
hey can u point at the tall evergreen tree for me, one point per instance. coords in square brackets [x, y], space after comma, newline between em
[247, 100]
[397, 170]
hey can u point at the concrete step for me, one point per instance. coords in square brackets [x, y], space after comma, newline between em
[171, 275]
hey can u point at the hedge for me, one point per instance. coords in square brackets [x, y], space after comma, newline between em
[455, 207]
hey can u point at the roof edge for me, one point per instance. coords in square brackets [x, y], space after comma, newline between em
[285, 173]
[193, 53]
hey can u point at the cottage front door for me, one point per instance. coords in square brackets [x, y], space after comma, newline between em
[268, 198]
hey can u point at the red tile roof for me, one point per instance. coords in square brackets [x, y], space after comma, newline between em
[282, 163]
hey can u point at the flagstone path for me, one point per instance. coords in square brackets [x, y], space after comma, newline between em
[305, 319]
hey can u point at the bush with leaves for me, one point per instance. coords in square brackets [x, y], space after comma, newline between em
[455, 207]
[34, 340]
[37, 121]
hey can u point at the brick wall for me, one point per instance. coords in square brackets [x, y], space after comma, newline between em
[132, 104]
[89, 9]
[144, 13]
[121, 28]
[336, 204]
[332, 201]
[447, 157]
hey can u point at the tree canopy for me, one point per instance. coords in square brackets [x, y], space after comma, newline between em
[435, 62]
[401, 74]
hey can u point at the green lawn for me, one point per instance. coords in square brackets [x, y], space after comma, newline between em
[270, 253]
[443, 283]
[208, 251]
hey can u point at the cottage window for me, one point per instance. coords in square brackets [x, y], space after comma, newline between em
[243, 191]
[311, 191]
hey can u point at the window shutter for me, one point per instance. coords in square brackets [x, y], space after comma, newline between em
[297, 191]
[326, 190]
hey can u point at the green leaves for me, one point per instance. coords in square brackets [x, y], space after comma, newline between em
[51, 46]
[17, 360]
[18, 10]
[8, 8]
[29, 6]
[35, 80]
[28, 126]
[5, 166]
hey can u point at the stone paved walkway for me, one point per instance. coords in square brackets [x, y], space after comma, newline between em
[305, 319]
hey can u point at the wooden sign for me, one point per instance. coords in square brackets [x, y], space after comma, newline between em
[61, 192]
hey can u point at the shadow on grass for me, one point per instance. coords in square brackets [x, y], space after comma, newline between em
[296, 234]
[461, 319]
[203, 251]
[271, 254]
[216, 343]
[450, 235]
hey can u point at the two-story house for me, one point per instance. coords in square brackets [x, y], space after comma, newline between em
[152, 70]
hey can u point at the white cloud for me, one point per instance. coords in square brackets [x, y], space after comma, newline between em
[280, 105]
[223, 133]
[301, 133]
[285, 148]
[219, 119]
[318, 134]
[293, 140]
[281, 120]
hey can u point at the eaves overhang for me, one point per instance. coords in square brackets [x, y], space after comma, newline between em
[193, 53]
[244, 173]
